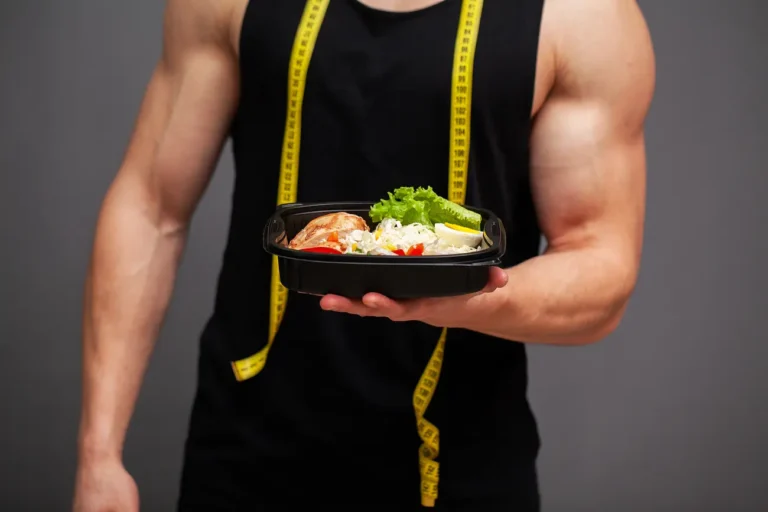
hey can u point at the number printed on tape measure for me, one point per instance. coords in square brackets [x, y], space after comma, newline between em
[462, 98]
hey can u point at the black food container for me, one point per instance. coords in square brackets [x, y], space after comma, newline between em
[397, 277]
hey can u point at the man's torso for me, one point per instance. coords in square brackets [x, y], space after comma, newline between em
[338, 389]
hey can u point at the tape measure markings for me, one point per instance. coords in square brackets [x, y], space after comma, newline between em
[461, 99]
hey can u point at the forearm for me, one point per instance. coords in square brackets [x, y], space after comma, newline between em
[568, 297]
[128, 289]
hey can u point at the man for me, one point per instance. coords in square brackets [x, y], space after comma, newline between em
[560, 94]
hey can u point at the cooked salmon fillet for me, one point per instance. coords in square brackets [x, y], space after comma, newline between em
[317, 232]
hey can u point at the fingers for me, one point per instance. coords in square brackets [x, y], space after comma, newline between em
[377, 305]
[388, 307]
[344, 305]
[372, 304]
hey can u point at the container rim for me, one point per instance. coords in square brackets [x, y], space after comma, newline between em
[275, 233]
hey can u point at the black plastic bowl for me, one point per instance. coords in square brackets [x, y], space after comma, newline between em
[397, 277]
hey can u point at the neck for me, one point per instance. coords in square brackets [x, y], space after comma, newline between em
[399, 5]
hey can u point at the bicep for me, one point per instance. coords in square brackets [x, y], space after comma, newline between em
[588, 182]
[182, 124]
[588, 148]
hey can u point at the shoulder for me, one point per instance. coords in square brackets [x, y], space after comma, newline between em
[203, 24]
[601, 51]
[598, 41]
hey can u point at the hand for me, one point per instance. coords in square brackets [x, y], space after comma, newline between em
[105, 487]
[440, 312]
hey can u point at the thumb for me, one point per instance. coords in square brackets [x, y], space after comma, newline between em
[497, 278]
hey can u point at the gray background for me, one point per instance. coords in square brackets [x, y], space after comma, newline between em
[669, 414]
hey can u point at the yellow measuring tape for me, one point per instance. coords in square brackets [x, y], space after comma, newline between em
[461, 107]
[304, 44]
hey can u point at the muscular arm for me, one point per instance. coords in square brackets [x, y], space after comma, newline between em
[143, 222]
[588, 178]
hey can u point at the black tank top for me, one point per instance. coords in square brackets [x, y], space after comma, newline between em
[331, 413]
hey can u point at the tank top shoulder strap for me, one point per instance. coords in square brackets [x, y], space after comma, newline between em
[508, 47]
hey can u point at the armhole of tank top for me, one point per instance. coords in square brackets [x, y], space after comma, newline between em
[536, 26]
[244, 20]
[239, 49]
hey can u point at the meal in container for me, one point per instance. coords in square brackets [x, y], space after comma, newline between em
[410, 222]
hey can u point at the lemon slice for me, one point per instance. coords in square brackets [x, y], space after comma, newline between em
[462, 228]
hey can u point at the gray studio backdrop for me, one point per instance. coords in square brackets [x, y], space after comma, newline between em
[669, 414]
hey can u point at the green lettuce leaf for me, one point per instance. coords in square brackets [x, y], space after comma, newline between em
[418, 212]
[422, 205]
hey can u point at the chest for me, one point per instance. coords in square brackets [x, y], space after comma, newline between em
[377, 101]
[394, 55]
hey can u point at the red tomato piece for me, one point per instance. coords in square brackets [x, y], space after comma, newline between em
[322, 250]
[415, 250]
